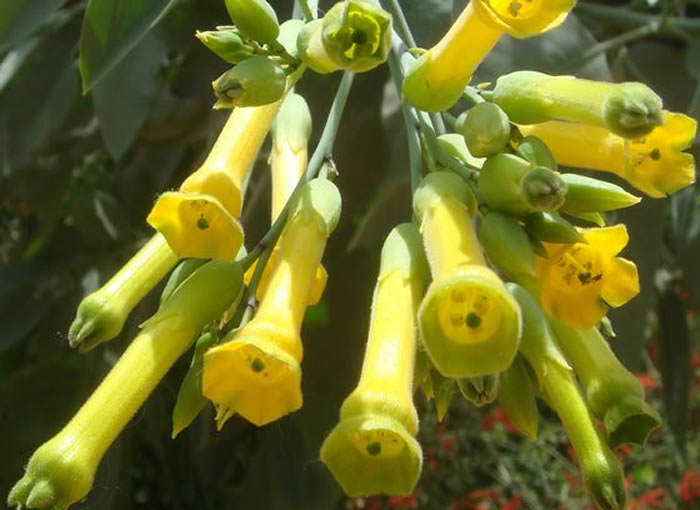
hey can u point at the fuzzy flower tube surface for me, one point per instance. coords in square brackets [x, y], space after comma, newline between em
[437, 79]
[256, 372]
[469, 323]
[288, 160]
[601, 471]
[200, 220]
[654, 164]
[613, 393]
[627, 109]
[101, 314]
[372, 450]
[61, 471]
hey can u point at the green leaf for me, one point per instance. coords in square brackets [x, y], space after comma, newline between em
[135, 81]
[35, 104]
[111, 28]
[20, 18]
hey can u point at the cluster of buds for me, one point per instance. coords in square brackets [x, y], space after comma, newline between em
[494, 290]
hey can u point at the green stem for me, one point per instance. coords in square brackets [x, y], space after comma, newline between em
[614, 42]
[624, 16]
[308, 8]
[401, 23]
[473, 95]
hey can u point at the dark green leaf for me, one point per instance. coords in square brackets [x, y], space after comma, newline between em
[111, 28]
[35, 104]
[675, 365]
[19, 18]
[123, 98]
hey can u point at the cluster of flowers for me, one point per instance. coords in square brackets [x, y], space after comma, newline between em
[508, 312]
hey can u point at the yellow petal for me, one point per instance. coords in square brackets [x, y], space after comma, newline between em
[621, 282]
[608, 241]
[253, 377]
[196, 226]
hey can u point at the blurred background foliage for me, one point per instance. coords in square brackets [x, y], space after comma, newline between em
[104, 104]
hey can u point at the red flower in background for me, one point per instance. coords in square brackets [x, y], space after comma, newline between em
[497, 415]
[513, 503]
[652, 498]
[690, 486]
[404, 502]
[648, 381]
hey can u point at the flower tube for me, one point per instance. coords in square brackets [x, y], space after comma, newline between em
[579, 282]
[438, 78]
[602, 472]
[256, 372]
[613, 393]
[101, 314]
[627, 109]
[372, 450]
[61, 471]
[288, 160]
[654, 164]
[469, 324]
[200, 219]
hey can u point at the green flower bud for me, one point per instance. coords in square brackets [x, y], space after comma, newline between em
[591, 217]
[320, 199]
[226, 44]
[357, 35]
[510, 184]
[536, 152]
[586, 194]
[517, 397]
[507, 246]
[190, 401]
[629, 110]
[442, 184]
[602, 473]
[613, 393]
[254, 18]
[256, 81]
[443, 392]
[486, 129]
[102, 314]
[311, 50]
[552, 228]
[481, 390]
[289, 33]
[292, 125]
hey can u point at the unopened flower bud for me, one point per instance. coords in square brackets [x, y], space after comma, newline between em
[586, 194]
[511, 184]
[255, 18]
[486, 129]
[552, 228]
[256, 81]
[507, 246]
[536, 152]
[226, 44]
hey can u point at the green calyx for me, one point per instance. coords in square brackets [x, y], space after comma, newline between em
[256, 81]
[227, 44]
[517, 394]
[356, 34]
[321, 199]
[403, 250]
[437, 186]
[507, 245]
[454, 145]
[552, 228]
[311, 50]
[181, 272]
[586, 194]
[632, 110]
[511, 184]
[254, 18]
[372, 454]
[486, 129]
[481, 390]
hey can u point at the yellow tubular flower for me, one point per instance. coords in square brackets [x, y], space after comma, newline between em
[288, 160]
[469, 323]
[654, 164]
[580, 281]
[372, 449]
[200, 219]
[61, 471]
[439, 76]
[257, 372]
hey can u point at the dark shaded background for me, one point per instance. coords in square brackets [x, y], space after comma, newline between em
[78, 174]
